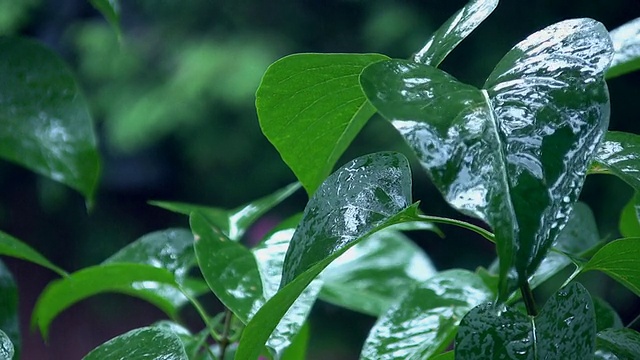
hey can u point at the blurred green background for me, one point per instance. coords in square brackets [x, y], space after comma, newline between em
[173, 104]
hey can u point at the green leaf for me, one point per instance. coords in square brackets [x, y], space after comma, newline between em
[606, 316]
[565, 329]
[311, 107]
[44, 120]
[141, 344]
[619, 259]
[298, 348]
[234, 223]
[618, 155]
[385, 170]
[423, 322]
[110, 9]
[6, 347]
[370, 276]
[513, 155]
[449, 355]
[452, 32]
[630, 218]
[617, 344]
[121, 278]
[13, 247]
[626, 43]
[9, 314]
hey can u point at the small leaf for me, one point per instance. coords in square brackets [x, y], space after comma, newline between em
[452, 32]
[423, 321]
[121, 278]
[13, 247]
[618, 155]
[630, 217]
[618, 344]
[606, 316]
[9, 313]
[141, 344]
[110, 9]
[619, 259]
[310, 107]
[6, 347]
[626, 43]
[44, 120]
[565, 329]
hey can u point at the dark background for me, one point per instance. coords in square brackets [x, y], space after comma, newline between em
[174, 109]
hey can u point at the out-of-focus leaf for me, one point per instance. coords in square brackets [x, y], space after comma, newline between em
[387, 187]
[130, 279]
[513, 155]
[606, 316]
[629, 219]
[44, 120]
[564, 329]
[617, 344]
[234, 222]
[6, 347]
[141, 344]
[423, 322]
[452, 32]
[626, 43]
[618, 155]
[298, 348]
[13, 247]
[370, 276]
[311, 107]
[110, 9]
[619, 259]
[9, 313]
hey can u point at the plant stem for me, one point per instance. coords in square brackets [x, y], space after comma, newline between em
[633, 322]
[527, 297]
[463, 224]
[224, 339]
[203, 314]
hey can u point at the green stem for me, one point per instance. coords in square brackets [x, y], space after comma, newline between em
[203, 314]
[463, 224]
[630, 325]
[527, 297]
[224, 341]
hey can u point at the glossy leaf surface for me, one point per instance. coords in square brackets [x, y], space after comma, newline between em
[618, 155]
[234, 222]
[626, 43]
[564, 329]
[370, 276]
[6, 347]
[617, 344]
[311, 107]
[141, 344]
[630, 218]
[606, 316]
[120, 278]
[423, 321]
[13, 247]
[515, 154]
[619, 259]
[44, 121]
[452, 32]
[9, 325]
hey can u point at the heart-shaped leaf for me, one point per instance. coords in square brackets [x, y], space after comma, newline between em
[626, 43]
[13, 247]
[617, 344]
[565, 329]
[6, 346]
[452, 32]
[141, 344]
[619, 259]
[423, 322]
[44, 121]
[630, 218]
[9, 313]
[515, 154]
[618, 155]
[310, 107]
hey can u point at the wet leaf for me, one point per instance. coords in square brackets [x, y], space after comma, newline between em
[626, 43]
[120, 278]
[630, 218]
[141, 344]
[617, 344]
[6, 347]
[565, 329]
[619, 259]
[423, 321]
[513, 155]
[13, 247]
[311, 107]
[44, 120]
[234, 223]
[110, 9]
[452, 32]
[9, 313]
[618, 155]
[606, 316]
[370, 276]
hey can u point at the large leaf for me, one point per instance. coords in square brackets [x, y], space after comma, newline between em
[141, 344]
[626, 43]
[370, 276]
[619, 155]
[452, 32]
[7, 350]
[619, 259]
[310, 107]
[9, 311]
[13, 247]
[120, 278]
[630, 218]
[565, 329]
[44, 121]
[423, 322]
[515, 154]
[387, 187]
[618, 344]
[234, 222]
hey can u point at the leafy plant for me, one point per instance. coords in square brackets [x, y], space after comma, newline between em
[513, 154]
